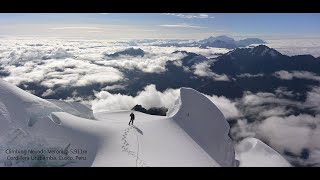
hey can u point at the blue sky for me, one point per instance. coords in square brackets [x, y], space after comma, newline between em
[161, 25]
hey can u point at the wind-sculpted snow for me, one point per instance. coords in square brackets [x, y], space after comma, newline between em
[205, 123]
[27, 123]
[74, 108]
[32, 108]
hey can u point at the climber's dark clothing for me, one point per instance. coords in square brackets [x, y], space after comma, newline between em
[131, 119]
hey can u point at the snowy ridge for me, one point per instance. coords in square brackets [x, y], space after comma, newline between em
[29, 122]
[74, 108]
[24, 109]
[205, 123]
[195, 134]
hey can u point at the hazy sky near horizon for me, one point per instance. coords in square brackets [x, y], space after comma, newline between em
[122, 26]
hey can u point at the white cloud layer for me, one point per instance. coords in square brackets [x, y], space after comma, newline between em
[276, 124]
[203, 70]
[248, 75]
[151, 97]
[148, 98]
[296, 74]
[190, 16]
[296, 46]
[75, 28]
[227, 106]
[313, 99]
[292, 133]
[79, 62]
[180, 25]
[69, 72]
[82, 61]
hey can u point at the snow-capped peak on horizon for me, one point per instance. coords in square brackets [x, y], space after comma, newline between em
[228, 42]
[220, 38]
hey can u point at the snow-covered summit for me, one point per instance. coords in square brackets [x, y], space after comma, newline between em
[195, 134]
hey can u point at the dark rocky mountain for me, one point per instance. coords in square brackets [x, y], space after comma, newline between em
[262, 59]
[162, 111]
[128, 52]
[139, 108]
[258, 60]
[191, 58]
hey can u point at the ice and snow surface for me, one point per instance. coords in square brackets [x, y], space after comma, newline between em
[205, 123]
[195, 134]
[150, 142]
[30, 124]
[253, 152]
[74, 108]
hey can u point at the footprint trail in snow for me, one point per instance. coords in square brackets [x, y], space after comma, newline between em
[128, 149]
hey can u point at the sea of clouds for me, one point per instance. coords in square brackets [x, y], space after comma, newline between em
[77, 63]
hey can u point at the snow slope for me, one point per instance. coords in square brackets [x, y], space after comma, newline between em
[27, 122]
[205, 123]
[253, 152]
[74, 108]
[154, 141]
[195, 134]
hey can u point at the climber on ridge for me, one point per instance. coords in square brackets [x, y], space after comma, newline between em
[131, 118]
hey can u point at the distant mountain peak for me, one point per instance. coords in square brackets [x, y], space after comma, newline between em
[263, 50]
[224, 41]
[223, 38]
[129, 52]
[191, 58]
[260, 50]
[183, 52]
[249, 41]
